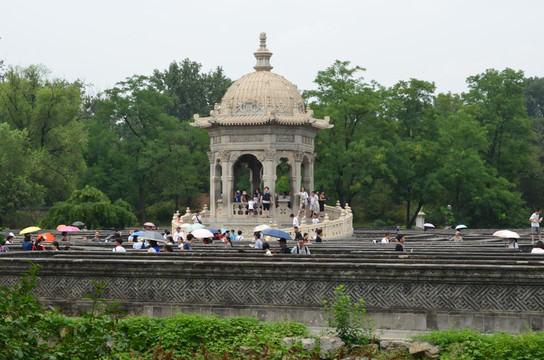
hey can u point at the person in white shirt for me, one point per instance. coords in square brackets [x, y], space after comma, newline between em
[535, 220]
[251, 206]
[295, 220]
[539, 248]
[119, 246]
[315, 219]
[178, 234]
[303, 201]
[300, 248]
[239, 237]
[386, 239]
[266, 248]
[257, 240]
[197, 218]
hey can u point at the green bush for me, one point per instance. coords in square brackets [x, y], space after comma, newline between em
[348, 318]
[92, 207]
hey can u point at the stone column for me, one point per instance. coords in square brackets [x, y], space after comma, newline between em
[269, 177]
[212, 182]
[296, 184]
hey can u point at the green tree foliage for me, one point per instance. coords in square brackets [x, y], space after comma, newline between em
[345, 152]
[412, 158]
[92, 207]
[17, 164]
[191, 91]
[48, 111]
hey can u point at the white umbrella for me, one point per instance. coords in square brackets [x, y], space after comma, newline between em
[262, 227]
[184, 226]
[202, 233]
[459, 227]
[506, 234]
[193, 227]
[151, 235]
[429, 225]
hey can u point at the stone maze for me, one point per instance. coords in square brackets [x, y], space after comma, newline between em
[435, 284]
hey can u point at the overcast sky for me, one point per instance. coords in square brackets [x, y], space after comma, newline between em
[103, 42]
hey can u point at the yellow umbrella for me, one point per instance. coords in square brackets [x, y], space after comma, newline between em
[29, 229]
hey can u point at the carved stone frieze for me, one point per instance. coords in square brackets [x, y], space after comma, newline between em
[246, 138]
[249, 107]
[285, 138]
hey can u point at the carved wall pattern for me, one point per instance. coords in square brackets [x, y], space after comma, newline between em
[285, 138]
[246, 138]
[304, 292]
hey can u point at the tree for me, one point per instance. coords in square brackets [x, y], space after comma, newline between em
[412, 158]
[344, 152]
[48, 111]
[17, 163]
[92, 207]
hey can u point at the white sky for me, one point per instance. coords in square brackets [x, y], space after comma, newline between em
[102, 42]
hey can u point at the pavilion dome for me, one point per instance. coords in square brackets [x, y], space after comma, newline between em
[261, 97]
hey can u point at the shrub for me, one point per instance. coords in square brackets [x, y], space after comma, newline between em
[348, 318]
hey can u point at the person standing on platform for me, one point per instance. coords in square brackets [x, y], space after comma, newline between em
[535, 220]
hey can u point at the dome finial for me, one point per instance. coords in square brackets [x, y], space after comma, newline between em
[263, 55]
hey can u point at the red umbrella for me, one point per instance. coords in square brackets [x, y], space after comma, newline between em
[67, 228]
[46, 237]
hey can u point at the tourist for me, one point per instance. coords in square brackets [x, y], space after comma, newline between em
[300, 249]
[512, 244]
[138, 244]
[238, 196]
[244, 198]
[167, 248]
[153, 246]
[27, 243]
[188, 245]
[314, 204]
[397, 228]
[38, 245]
[170, 240]
[232, 235]
[457, 237]
[298, 234]
[119, 246]
[96, 236]
[306, 238]
[295, 220]
[257, 240]
[322, 200]
[3, 246]
[257, 196]
[319, 236]
[9, 239]
[266, 248]
[399, 239]
[251, 206]
[283, 246]
[386, 239]
[228, 242]
[535, 220]
[315, 219]
[197, 218]
[303, 201]
[179, 242]
[55, 246]
[64, 236]
[136, 229]
[266, 200]
[239, 237]
[539, 248]
[178, 234]
[226, 235]
[166, 234]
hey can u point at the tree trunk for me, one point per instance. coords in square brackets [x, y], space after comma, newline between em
[407, 220]
[413, 220]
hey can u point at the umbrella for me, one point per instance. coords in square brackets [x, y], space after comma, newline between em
[77, 223]
[67, 229]
[62, 225]
[277, 233]
[151, 235]
[192, 227]
[46, 237]
[136, 233]
[224, 231]
[202, 233]
[261, 227]
[149, 224]
[29, 230]
[506, 234]
[213, 231]
[184, 226]
[459, 227]
[429, 225]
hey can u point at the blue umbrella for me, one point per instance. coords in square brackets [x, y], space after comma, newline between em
[136, 233]
[277, 233]
[213, 231]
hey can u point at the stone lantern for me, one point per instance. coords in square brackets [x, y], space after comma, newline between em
[261, 122]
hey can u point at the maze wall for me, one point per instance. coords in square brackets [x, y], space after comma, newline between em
[400, 295]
